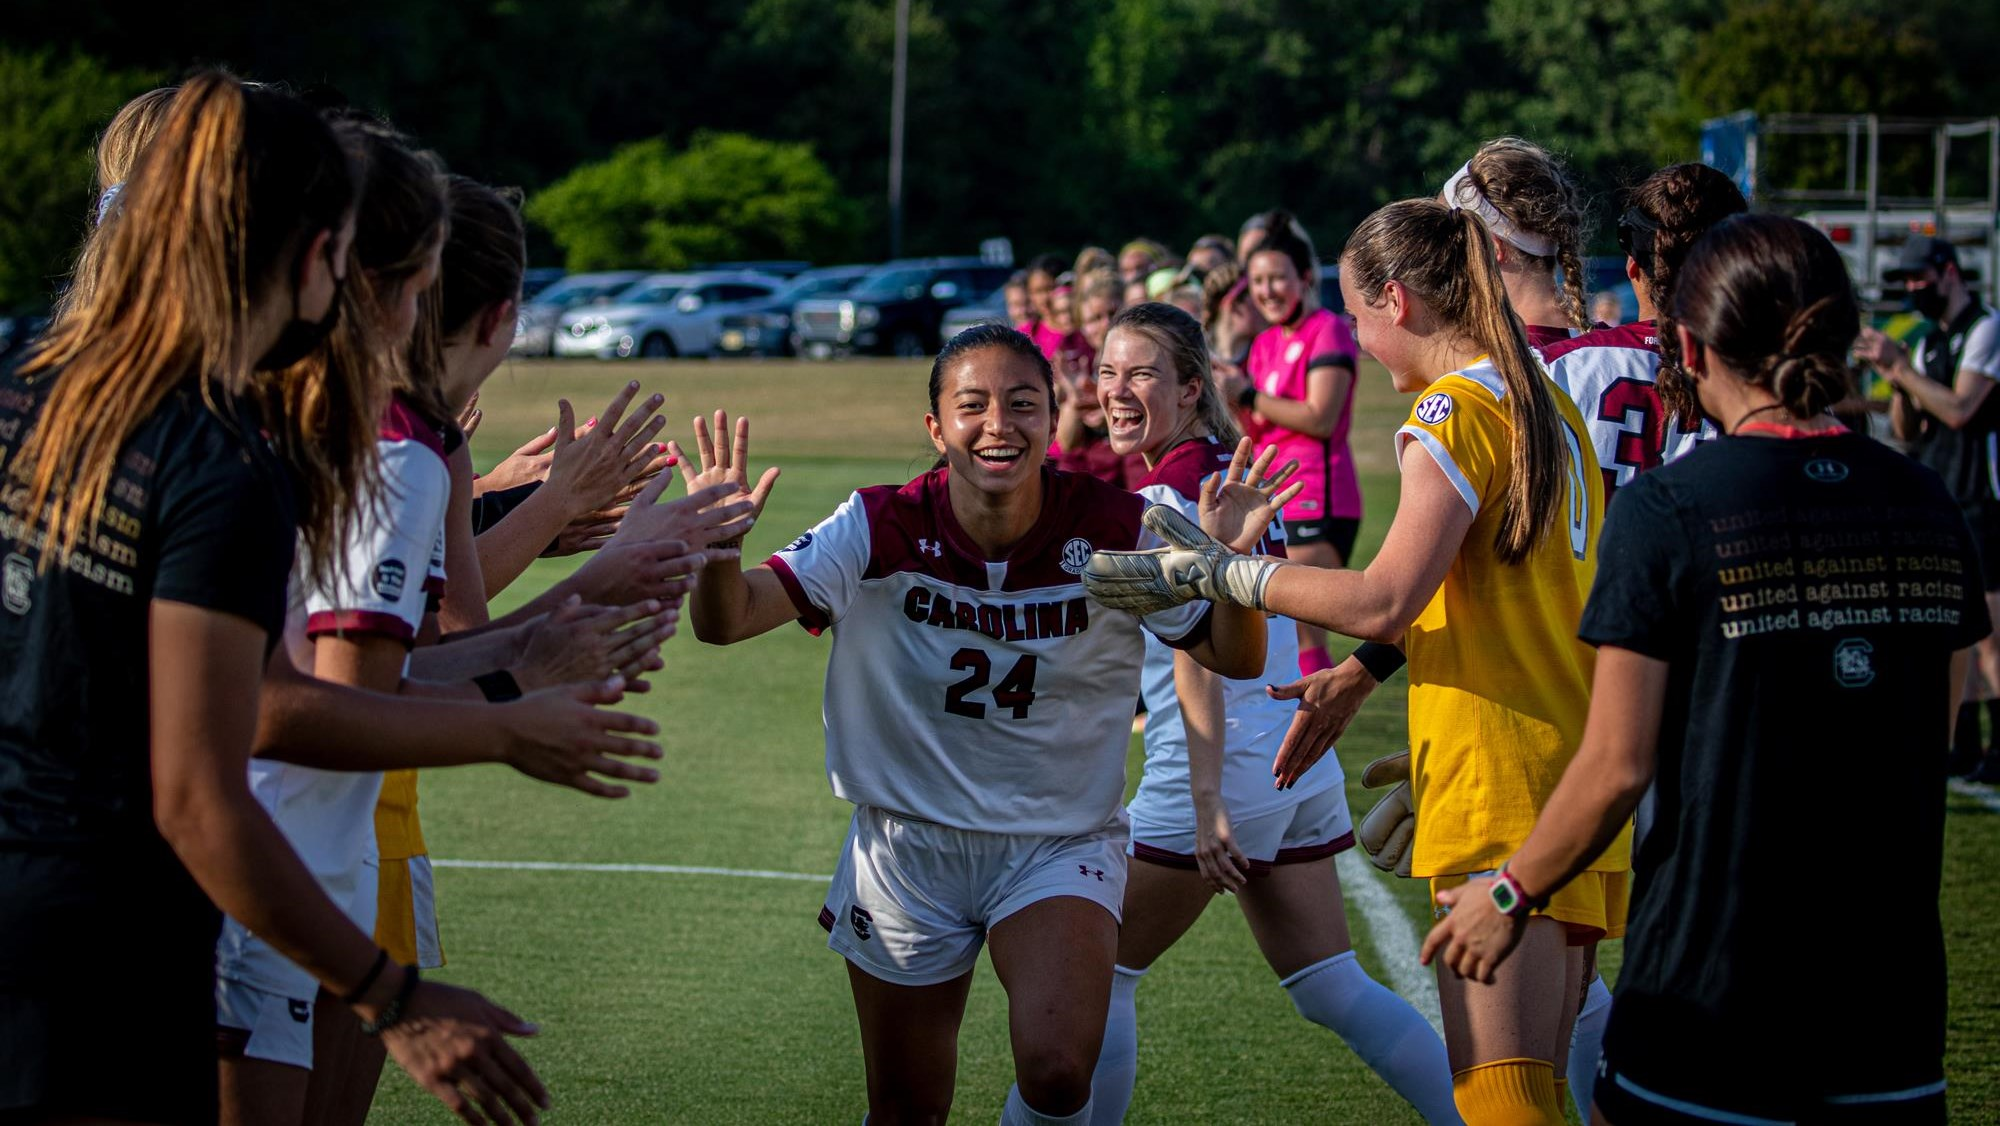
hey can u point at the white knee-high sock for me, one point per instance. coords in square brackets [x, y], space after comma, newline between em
[1018, 1113]
[1118, 1061]
[1586, 1044]
[1382, 1029]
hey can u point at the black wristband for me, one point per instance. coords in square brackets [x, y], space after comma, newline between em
[368, 980]
[392, 1013]
[498, 686]
[1247, 398]
[1380, 660]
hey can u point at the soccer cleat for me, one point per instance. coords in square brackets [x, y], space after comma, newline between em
[1194, 568]
[1390, 827]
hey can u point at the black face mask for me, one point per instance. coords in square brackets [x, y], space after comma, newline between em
[300, 337]
[1928, 302]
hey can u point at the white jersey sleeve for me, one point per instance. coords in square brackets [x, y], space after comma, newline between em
[1982, 347]
[822, 569]
[391, 559]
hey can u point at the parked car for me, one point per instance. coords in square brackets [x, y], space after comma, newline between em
[776, 267]
[539, 278]
[661, 316]
[764, 328]
[535, 324]
[989, 310]
[897, 310]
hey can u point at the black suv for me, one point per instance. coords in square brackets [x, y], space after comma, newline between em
[896, 310]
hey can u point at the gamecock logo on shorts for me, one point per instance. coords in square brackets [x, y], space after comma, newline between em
[1076, 555]
[859, 918]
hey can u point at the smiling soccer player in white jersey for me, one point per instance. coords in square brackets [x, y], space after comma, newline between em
[1207, 818]
[977, 714]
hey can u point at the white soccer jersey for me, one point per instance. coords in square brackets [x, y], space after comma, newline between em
[392, 563]
[984, 695]
[1611, 376]
[1254, 724]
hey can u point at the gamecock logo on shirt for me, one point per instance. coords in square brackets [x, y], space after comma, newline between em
[1076, 555]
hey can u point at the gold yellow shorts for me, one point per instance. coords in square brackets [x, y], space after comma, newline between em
[406, 913]
[1592, 907]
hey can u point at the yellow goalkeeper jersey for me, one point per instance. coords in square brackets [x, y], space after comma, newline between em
[1499, 683]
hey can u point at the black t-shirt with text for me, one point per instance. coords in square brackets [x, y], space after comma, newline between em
[200, 511]
[1807, 595]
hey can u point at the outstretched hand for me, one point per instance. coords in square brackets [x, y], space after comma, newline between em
[721, 461]
[566, 737]
[1239, 503]
[1475, 937]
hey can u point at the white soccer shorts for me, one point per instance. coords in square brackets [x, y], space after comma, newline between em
[280, 1027]
[911, 901]
[1317, 827]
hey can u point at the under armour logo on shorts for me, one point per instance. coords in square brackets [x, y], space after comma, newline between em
[1087, 871]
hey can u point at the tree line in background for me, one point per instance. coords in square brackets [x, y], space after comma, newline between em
[658, 134]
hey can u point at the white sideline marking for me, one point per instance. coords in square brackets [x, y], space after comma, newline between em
[1396, 943]
[650, 869]
[1984, 795]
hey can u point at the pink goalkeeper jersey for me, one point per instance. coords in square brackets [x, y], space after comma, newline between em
[1280, 357]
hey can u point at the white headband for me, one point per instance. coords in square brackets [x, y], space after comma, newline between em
[105, 201]
[1464, 195]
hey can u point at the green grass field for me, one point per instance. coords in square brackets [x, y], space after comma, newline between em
[702, 998]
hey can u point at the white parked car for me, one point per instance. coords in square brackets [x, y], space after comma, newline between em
[535, 324]
[661, 316]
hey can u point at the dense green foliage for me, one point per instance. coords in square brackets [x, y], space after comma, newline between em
[1052, 123]
[727, 197]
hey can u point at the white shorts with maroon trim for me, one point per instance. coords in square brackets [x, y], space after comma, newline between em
[912, 900]
[1317, 827]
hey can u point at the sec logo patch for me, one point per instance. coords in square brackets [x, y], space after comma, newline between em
[1434, 409]
[1076, 556]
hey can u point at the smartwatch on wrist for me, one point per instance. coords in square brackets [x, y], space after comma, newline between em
[1509, 898]
[1247, 398]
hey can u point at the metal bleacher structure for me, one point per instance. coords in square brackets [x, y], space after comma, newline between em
[1860, 178]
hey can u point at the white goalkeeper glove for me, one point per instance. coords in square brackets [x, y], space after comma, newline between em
[1195, 567]
[1388, 830]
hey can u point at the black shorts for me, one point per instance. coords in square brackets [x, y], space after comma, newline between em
[107, 993]
[1337, 532]
[1984, 521]
[1836, 1071]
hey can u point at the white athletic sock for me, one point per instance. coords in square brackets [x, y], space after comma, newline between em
[1382, 1029]
[1586, 1044]
[1118, 1061]
[1018, 1113]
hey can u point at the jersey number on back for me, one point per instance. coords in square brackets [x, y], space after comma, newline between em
[1634, 405]
[1015, 692]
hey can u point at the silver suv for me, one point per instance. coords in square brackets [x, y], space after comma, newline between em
[661, 316]
[535, 324]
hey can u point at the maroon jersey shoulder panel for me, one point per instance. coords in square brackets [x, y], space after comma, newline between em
[1641, 336]
[907, 531]
[402, 423]
[1187, 464]
[1546, 337]
[1080, 514]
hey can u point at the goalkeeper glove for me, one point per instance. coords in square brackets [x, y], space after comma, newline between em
[1388, 831]
[1193, 567]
